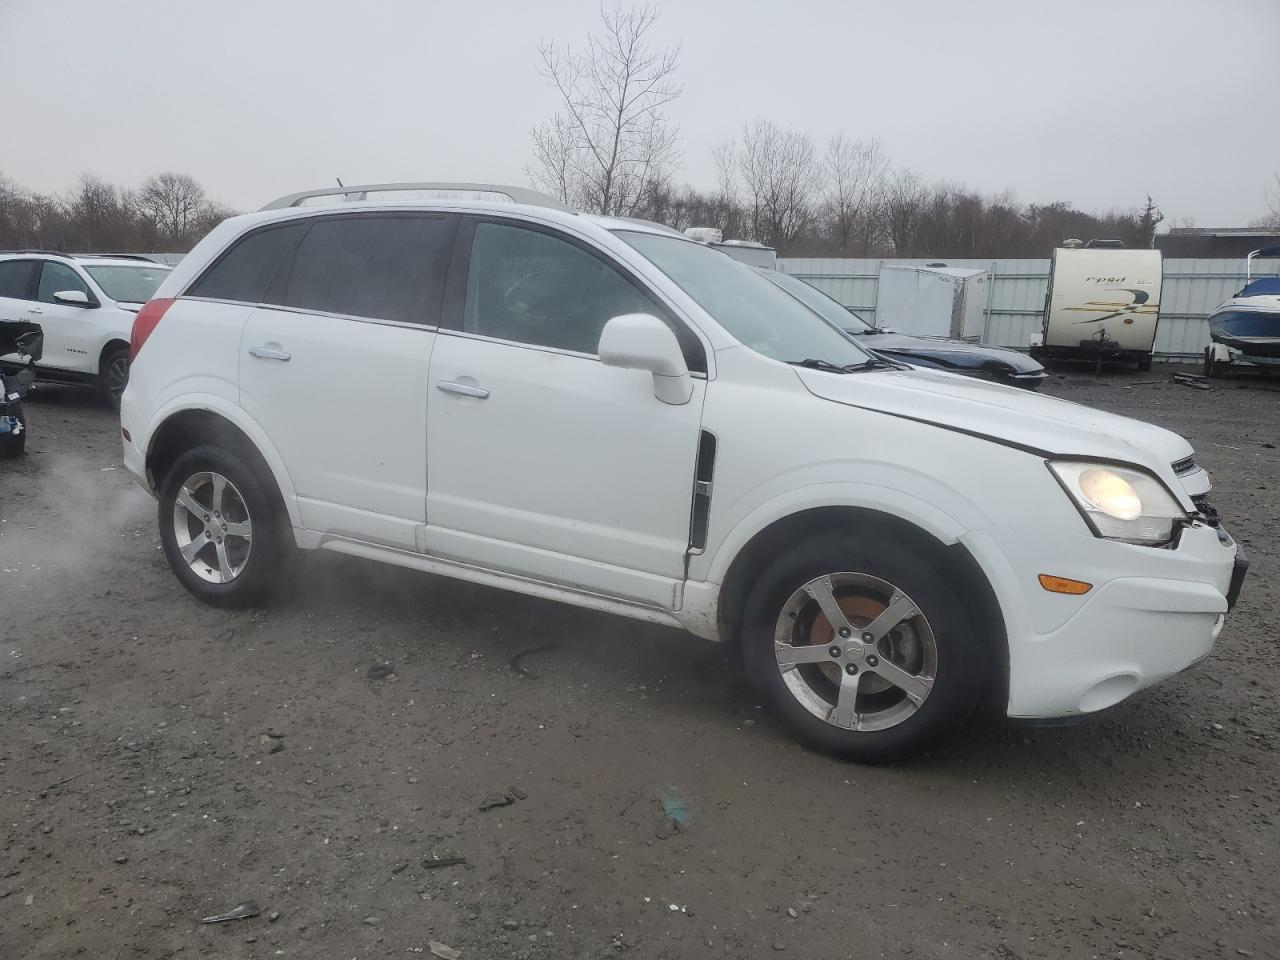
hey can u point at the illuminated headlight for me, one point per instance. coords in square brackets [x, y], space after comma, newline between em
[1120, 503]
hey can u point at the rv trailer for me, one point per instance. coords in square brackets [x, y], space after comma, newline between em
[1103, 304]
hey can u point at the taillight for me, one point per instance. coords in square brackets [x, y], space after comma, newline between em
[146, 320]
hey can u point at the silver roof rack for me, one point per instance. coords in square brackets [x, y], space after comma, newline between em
[514, 194]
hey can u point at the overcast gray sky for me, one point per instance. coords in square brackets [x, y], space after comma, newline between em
[1091, 101]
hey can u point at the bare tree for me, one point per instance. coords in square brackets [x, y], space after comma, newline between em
[904, 209]
[1272, 194]
[610, 142]
[853, 180]
[174, 203]
[779, 180]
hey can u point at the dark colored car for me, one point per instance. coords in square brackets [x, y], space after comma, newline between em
[955, 356]
[20, 341]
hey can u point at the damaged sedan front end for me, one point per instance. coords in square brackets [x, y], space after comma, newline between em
[21, 345]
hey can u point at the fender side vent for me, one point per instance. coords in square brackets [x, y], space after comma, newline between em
[703, 472]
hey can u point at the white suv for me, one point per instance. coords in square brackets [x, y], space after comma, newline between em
[606, 413]
[85, 305]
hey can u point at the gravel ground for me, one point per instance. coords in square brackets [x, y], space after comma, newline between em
[162, 761]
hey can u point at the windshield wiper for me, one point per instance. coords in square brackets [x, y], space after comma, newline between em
[869, 364]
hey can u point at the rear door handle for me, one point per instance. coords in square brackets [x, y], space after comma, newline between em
[462, 389]
[266, 353]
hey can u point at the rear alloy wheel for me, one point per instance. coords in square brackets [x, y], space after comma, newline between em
[212, 527]
[866, 655]
[222, 533]
[113, 376]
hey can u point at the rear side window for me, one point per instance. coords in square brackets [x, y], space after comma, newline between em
[383, 267]
[58, 277]
[17, 278]
[244, 272]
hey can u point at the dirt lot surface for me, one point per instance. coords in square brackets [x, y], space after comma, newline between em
[162, 761]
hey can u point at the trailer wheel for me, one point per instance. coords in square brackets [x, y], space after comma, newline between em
[1214, 368]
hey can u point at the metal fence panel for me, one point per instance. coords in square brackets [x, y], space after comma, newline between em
[1191, 289]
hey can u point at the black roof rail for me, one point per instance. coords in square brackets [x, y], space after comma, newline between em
[47, 253]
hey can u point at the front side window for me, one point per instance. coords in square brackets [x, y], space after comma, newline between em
[243, 272]
[532, 287]
[382, 267]
[57, 278]
[129, 284]
[16, 277]
[754, 312]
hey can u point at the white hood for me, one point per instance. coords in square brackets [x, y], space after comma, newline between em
[1001, 413]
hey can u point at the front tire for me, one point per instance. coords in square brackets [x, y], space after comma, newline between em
[865, 650]
[223, 533]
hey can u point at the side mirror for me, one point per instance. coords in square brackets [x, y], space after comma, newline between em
[640, 341]
[72, 298]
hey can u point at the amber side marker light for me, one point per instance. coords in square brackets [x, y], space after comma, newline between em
[1064, 585]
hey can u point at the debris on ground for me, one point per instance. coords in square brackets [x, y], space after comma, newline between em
[443, 950]
[675, 810]
[381, 670]
[435, 862]
[516, 662]
[503, 799]
[241, 911]
[1190, 380]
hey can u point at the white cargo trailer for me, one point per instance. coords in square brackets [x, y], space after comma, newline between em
[933, 301]
[1103, 304]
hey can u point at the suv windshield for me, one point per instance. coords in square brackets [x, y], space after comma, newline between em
[818, 302]
[129, 284]
[749, 307]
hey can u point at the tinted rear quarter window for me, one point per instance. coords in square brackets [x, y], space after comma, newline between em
[16, 278]
[382, 267]
[244, 272]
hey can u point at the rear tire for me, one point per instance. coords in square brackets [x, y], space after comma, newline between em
[936, 664]
[1144, 364]
[113, 376]
[12, 446]
[223, 533]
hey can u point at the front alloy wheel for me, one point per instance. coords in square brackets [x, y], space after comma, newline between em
[855, 651]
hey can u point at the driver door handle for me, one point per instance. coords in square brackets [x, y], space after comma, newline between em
[35, 310]
[462, 389]
[266, 353]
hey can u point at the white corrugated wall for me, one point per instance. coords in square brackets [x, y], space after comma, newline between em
[1189, 293]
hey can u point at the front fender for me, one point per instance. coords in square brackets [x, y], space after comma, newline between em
[915, 498]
